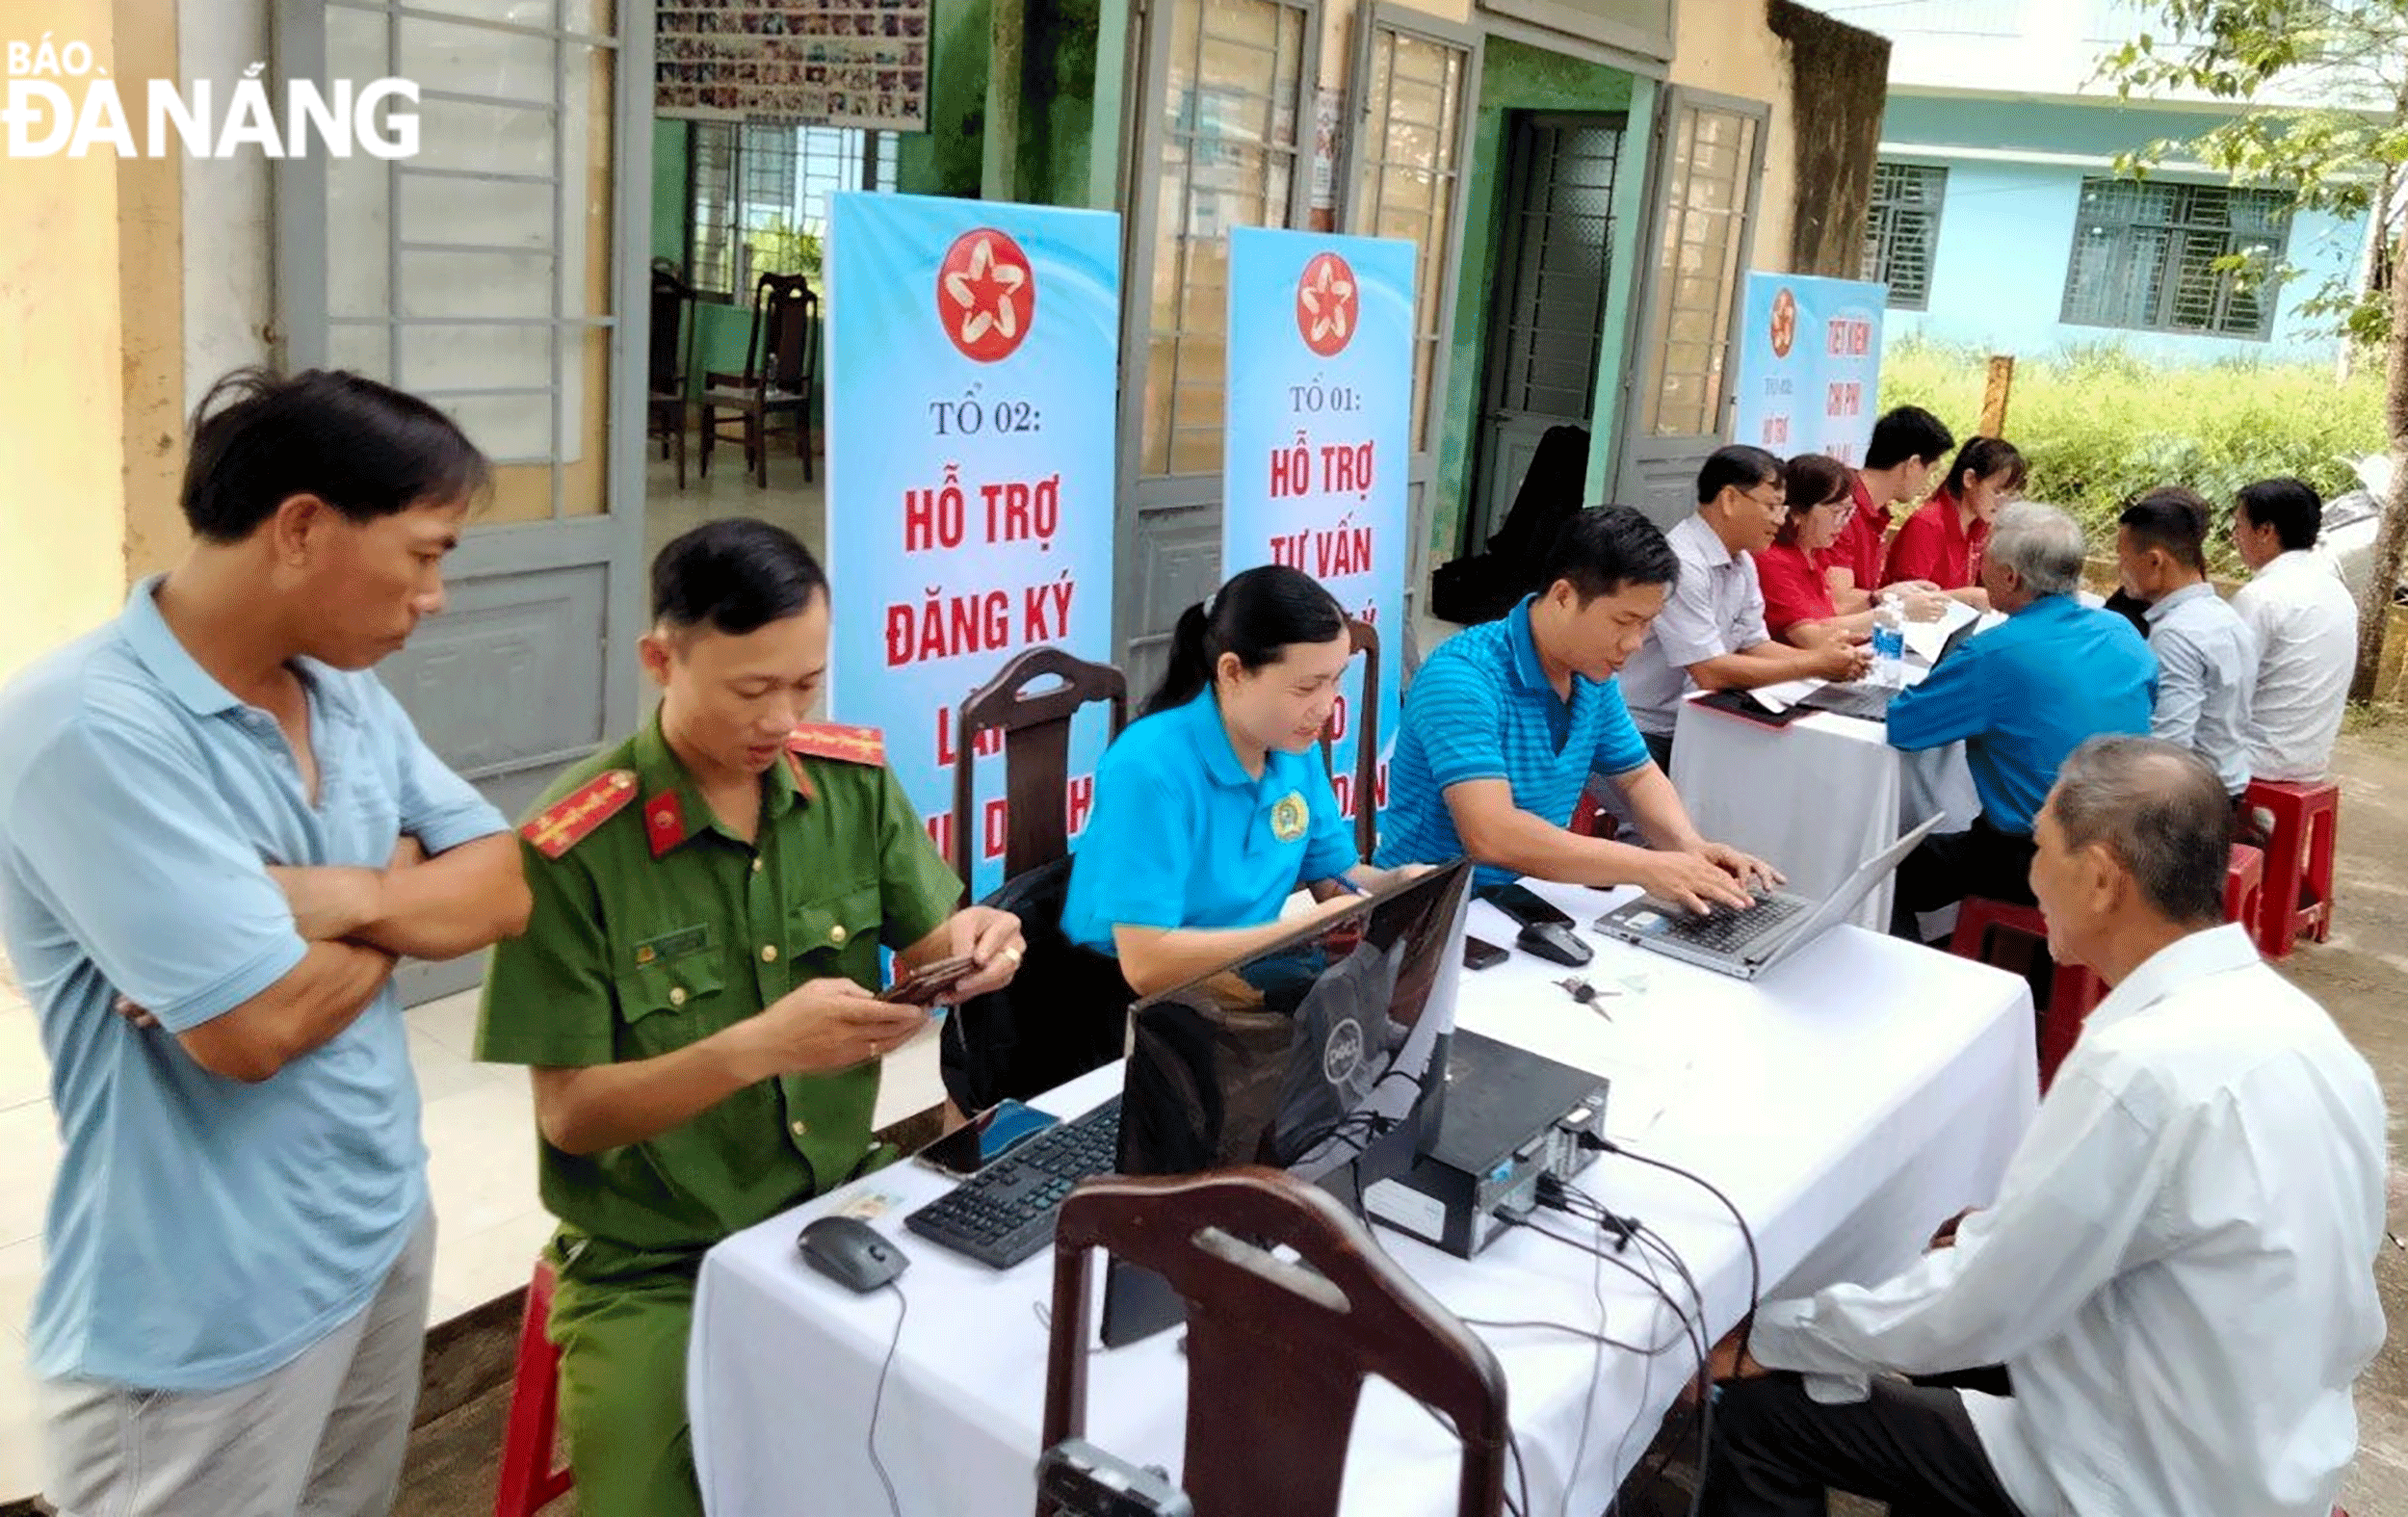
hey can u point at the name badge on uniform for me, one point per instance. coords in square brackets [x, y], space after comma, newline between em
[670, 945]
[1288, 817]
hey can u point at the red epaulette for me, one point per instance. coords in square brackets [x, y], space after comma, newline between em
[827, 740]
[573, 818]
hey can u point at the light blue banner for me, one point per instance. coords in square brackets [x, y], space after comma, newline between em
[1317, 437]
[1810, 365]
[973, 349]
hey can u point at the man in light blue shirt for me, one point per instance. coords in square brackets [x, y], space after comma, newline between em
[2206, 655]
[2020, 697]
[1506, 721]
[217, 832]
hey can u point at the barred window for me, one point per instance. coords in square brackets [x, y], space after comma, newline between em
[757, 197]
[1902, 228]
[2145, 256]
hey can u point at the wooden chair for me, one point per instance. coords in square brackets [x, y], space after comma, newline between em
[1036, 752]
[781, 368]
[671, 359]
[1363, 639]
[1276, 1353]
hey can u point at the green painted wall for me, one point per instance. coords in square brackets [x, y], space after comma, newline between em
[1514, 77]
[668, 189]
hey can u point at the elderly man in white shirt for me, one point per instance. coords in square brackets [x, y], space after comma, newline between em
[2306, 626]
[2206, 655]
[2178, 1270]
[1710, 633]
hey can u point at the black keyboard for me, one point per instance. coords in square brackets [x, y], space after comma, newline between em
[1005, 1211]
[1726, 928]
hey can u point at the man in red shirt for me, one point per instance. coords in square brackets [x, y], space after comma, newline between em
[1906, 442]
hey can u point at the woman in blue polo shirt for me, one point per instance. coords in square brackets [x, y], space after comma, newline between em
[1215, 803]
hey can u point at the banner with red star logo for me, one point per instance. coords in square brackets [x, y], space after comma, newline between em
[1809, 365]
[1320, 376]
[973, 359]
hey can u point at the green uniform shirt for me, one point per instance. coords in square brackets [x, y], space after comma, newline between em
[659, 928]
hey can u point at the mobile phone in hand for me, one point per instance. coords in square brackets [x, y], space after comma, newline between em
[922, 988]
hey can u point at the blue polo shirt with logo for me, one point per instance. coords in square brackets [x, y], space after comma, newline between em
[1481, 708]
[1182, 836]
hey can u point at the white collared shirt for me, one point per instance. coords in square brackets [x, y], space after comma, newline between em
[2178, 1271]
[2207, 668]
[2307, 630]
[1715, 607]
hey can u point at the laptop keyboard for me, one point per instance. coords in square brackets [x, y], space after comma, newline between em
[1726, 928]
[1005, 1213]
[1870, 702]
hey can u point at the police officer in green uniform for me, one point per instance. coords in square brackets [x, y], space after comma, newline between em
[694, 989]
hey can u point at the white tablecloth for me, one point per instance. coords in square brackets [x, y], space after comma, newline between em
[1817, 798]
[1848, 1102]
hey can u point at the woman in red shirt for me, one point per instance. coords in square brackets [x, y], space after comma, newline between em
[1797, 599]
[1942, 542]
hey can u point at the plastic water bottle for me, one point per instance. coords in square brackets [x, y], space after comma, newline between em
[1889, 642]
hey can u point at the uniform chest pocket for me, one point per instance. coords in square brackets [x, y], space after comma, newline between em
[670, 985]
[834, 923]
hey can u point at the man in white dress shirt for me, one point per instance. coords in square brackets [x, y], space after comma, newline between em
[1710, 633]
[2178, 1271]
[2206, 655]
[2306, 626]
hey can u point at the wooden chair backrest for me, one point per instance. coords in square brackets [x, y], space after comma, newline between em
[671, 295]
[1363, 639]
[782, 354]
[1276, 1354]
[1036, 752]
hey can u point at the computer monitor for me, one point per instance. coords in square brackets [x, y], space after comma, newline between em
[1324, 1055]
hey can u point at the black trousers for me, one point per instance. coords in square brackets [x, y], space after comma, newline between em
[1776, 1451]
[1947, 867]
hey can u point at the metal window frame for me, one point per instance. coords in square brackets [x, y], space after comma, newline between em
[1137, 256]
[1372, 19]
[1648, 332]
[305, 322]
[2159, 318]
[1881, 233]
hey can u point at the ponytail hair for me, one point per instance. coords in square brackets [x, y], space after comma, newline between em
[1256, 615]
[1984, 458]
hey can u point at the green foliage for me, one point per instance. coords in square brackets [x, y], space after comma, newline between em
[2101, 424]
[780, 247]
[2344, 153]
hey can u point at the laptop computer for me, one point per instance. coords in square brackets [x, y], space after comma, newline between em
[1745, 943]
[1872, 702]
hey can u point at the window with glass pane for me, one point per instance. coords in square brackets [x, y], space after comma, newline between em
[757, 197]
[2146, 257]
[1697, 268]
[1228, 159]
[1902, 228]
[1411, 177]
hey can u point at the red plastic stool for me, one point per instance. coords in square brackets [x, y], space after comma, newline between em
[2307, 820]
[2244, 886]
[2072, 993]
[529, 1481]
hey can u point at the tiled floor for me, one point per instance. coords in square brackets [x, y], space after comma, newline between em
[479, 1126]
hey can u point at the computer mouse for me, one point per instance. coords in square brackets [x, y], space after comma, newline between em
[851, 1253]
[1553, 941]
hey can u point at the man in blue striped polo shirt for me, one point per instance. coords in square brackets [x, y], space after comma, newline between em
[1507, 719]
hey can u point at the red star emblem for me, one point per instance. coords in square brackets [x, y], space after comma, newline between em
[1784, 322]
[985, 295]
[1328, 304]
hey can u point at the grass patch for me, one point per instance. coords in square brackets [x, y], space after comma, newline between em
[2098, 423]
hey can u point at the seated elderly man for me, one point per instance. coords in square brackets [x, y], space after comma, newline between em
[2020, 697]
[2178, 1270]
